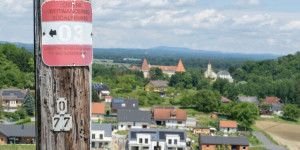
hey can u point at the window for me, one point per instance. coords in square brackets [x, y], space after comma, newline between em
[175, 141]
[121, 126]
[2, 139]
[244, 147]
[146, 141]
[93, 136]
[133, 105]
[170, 141]
[100, 144]
[123, 105]
[141, 140]
[93, 144]
[207, 145]
[179, 122]
[105, 143]
[101, 136]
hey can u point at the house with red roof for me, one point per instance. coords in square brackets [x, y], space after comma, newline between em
[271, 100]
[225, 100]
[169, 70]
[170, 117]
[98, 111]
[228, 126]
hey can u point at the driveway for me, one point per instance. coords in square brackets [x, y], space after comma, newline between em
[267, 143]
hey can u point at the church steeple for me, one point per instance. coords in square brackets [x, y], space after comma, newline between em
[145, 66]
[180, 67]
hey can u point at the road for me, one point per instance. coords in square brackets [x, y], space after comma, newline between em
[267, 143]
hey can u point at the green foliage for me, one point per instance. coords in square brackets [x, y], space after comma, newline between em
[279, 77]
[28, 103]
[245, 113]
[16, 67]
[95, 97]
[21, 113]
[206, 101]
[291, 111]
[156, 74]
[27, 120]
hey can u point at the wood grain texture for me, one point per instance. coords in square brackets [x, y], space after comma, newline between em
[72, 83]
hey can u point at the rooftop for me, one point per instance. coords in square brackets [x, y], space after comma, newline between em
[107, 128]
[125, 103]
[159, 83]
[12, 94]
[250, 99]
[270, 100]
[169, 114]
[134, 116]
[228, 124]
[18, 130]
[221, 140]
[98, 108]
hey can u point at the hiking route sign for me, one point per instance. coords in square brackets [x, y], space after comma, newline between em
[67, 33]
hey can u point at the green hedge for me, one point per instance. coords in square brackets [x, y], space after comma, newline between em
[23, 121]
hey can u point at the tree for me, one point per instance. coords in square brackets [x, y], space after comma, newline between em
[291, 111]
[95, 97]
[156, 74]
[21, 112]
[28, 103]
[245, 113]
[206, 101]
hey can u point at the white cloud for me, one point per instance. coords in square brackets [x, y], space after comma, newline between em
[293, 25]
[246, 3]
[259, 20]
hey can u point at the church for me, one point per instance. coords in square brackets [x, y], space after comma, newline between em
[169, 70]
[209, 73]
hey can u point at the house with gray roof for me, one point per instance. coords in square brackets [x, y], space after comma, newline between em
[250, 99]
[128, 119]
[277, 108]
[101, 135]
[153, 139]
[17, 134]
[102, 90]
[124, 104]
[11, 99]
[210, 142]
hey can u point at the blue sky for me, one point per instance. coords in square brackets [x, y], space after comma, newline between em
[247, 26]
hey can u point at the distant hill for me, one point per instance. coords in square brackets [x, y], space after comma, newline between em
[118, 54]
[177, 52]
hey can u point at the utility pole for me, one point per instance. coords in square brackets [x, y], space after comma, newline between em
[63, 91]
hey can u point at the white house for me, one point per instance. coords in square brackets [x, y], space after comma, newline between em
[128, 119]
[101, 135]
[152, 139]
[225, 75]
[228, 126]
[277, 109]
[102, 90]
[170, 117]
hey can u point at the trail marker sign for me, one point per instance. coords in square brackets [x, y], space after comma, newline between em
[67, 33]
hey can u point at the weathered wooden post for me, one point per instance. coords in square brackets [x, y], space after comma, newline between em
[63, 56]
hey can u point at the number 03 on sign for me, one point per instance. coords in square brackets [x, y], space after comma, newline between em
[67, 33]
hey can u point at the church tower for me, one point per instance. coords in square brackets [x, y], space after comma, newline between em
[145, 68]
[209, 73]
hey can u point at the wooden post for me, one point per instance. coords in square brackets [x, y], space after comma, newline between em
[71, 83]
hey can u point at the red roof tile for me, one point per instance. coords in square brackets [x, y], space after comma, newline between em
[165, 68]
[165, 114]
[228, 124]
[270, 100]
[98, 108]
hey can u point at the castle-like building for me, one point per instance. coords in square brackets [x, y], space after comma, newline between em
[209, 73]
[169, 70]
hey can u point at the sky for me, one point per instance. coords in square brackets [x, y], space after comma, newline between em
[245, 26]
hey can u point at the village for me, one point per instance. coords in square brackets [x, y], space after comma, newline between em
[131, 123]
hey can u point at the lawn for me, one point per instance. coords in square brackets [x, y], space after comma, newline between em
[122, 132]
[280, 119]
[30, 123]
[17, 147]
[257, 148]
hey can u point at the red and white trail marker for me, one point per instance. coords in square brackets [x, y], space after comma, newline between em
[67, 33]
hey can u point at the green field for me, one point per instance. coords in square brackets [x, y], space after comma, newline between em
[17, 147]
